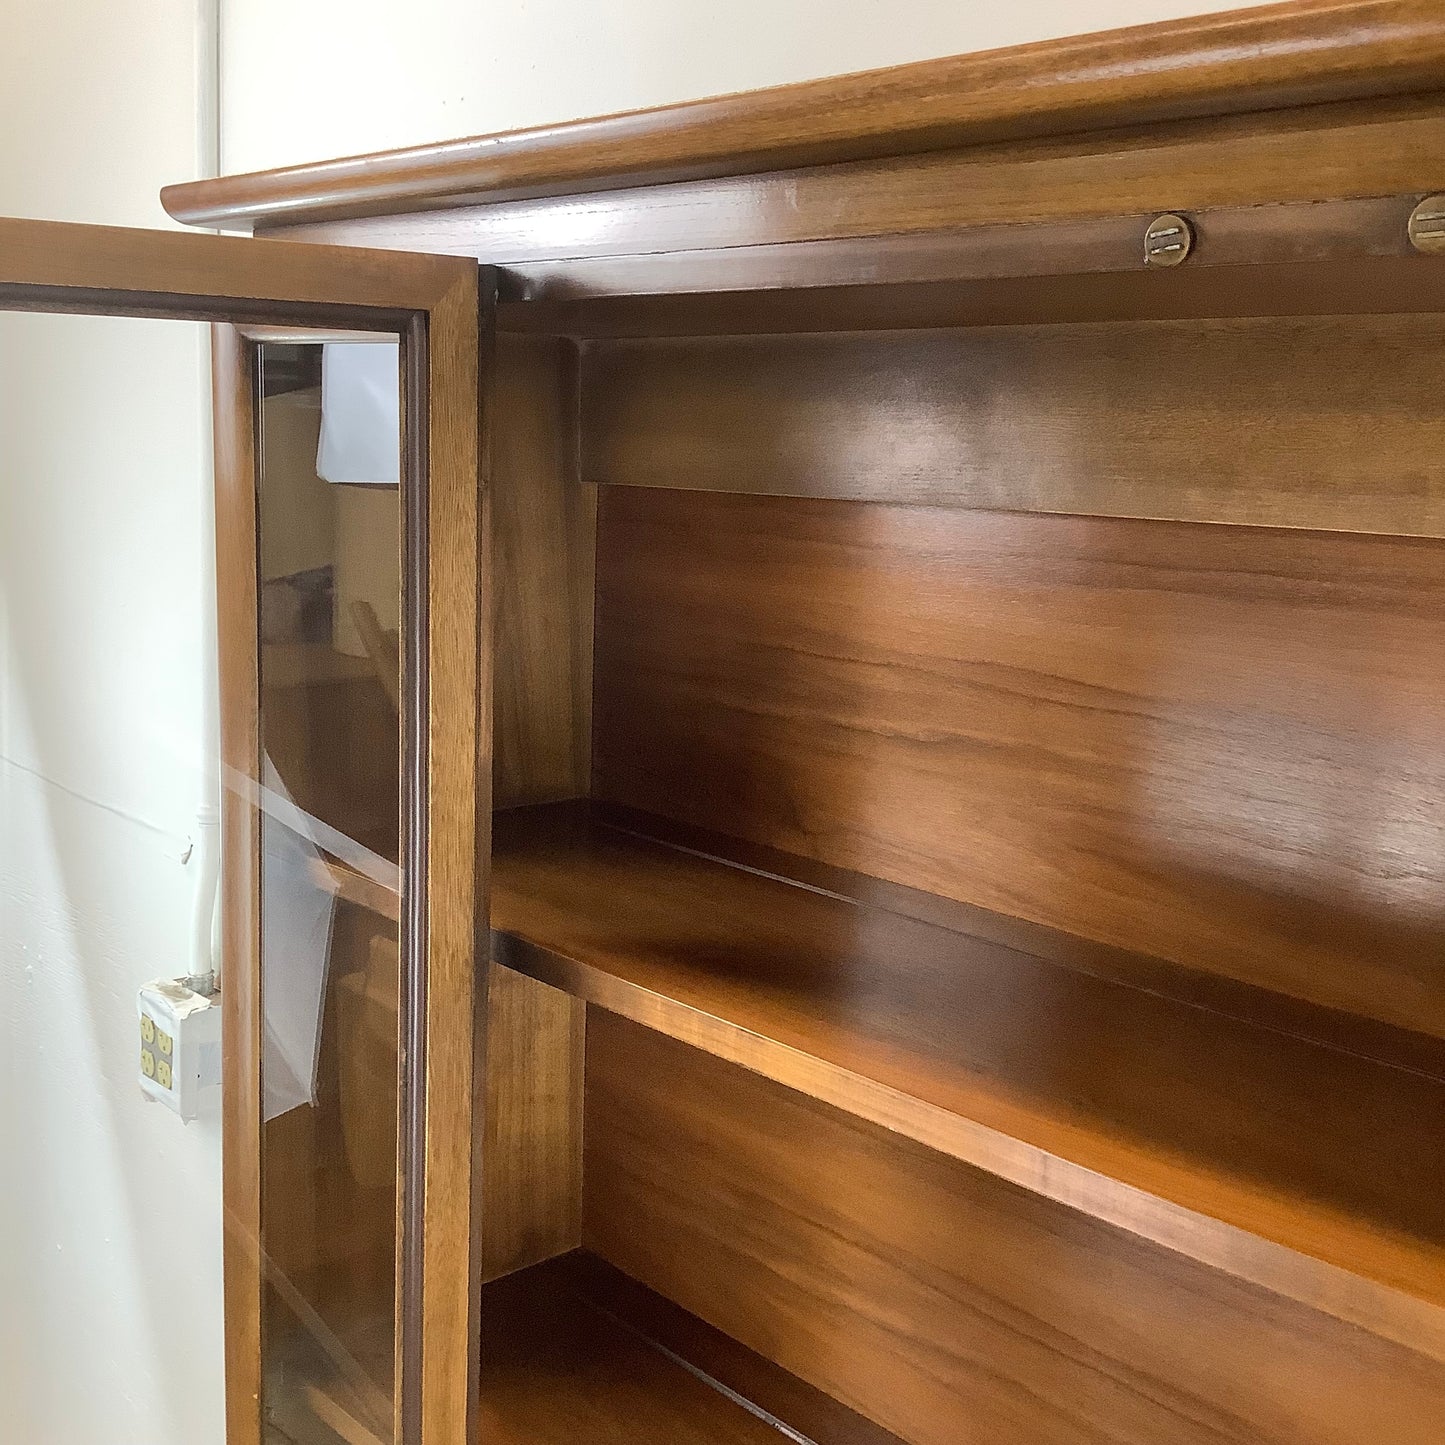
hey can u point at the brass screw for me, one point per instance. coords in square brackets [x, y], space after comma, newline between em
[1168, 241]
[1427, 226]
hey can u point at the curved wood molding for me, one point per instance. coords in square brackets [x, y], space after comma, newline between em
[1294, 53]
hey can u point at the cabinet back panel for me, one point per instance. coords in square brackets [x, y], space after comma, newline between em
[1330, 422]
[1220, 745]
[946, 1305]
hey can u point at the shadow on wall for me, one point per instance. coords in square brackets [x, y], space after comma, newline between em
[114, 1225]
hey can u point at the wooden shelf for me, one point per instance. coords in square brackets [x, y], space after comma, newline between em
[1304, 1168]
[561, 1364]
[351, 886]
[560, 1367]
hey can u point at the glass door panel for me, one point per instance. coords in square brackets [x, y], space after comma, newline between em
[329, 588]
[348, 846]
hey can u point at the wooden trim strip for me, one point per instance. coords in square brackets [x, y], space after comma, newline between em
[452, 751]
[233, 380]
[107, 270]
[1353, 149]
[1356, 229]
[1273, 56]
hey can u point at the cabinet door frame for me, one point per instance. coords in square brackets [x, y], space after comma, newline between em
[431, 304]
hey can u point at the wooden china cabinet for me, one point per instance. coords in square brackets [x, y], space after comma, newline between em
[913, 760]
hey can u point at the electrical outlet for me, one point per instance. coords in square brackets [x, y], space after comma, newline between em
[180, 1045]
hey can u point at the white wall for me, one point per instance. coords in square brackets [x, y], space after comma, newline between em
[110, 1295]
[302, 82]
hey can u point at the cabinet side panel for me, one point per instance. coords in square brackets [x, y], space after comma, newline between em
[543, 537]
[1218, 745]
[532, 1155]
[940, 1302]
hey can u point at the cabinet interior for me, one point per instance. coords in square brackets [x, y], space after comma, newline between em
[966, 878]
[966, 873]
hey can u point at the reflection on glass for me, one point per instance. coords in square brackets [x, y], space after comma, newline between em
[329, 587]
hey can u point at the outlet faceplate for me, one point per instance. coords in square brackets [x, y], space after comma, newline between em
[180, 1045]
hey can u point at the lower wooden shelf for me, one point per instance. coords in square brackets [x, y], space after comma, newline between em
[575, 1353]
[557, 1370]
[1302, 1167]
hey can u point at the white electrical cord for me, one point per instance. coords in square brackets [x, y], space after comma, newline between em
[204, 977]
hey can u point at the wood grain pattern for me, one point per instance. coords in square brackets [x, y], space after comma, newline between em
[432, 302]
[116, 271]
[1383, 286]
[532, 1154]
[945, 1304]
[816, 1416]
[1307, 52]
[1217, 745]
[111, 271]
[233, 380]
[1281, 424]
[558, 1367]
[1316, 153]
[543, 538]
[558, 1371]
[543, 527]
[1300, 1167]
[446, 731]
[1363, 230]
[1334, 1028]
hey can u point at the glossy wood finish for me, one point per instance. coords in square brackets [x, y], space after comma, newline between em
[1288, 1164]
[353, 887]
[1248, 261]
[1302, 53]
[1217, 745]
[1364, 149]
[1261, 422]
[1388, 286]
[234, 374]
[431, 302]
[1335, 1028]
[542, 525]
[543, 538]
[556, 1370]
[946, 1304]
[114, 271]
[1038, 738]
[531, 1188]
[800, 1407]
[560, 1366]
[446, 727]
[1262, 235]
[532, 1155]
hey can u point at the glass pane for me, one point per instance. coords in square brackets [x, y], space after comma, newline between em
[329, 587]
